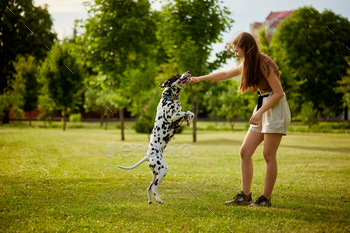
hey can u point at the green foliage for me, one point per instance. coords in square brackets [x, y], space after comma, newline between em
[309, 116]
[24, 29]
[46, 107]
[76, 118]
[142, 127]
[224, 100]
[312, 57]
[4, 106]
[264, 43]
[344, 87]
[61, 77]
[26, 71]
[17, 91]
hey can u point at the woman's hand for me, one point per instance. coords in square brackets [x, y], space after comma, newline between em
[194, 80]
[254, 120]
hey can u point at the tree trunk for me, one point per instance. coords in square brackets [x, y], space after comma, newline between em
[195, 117]
[1, 121]
[101, 119]
[232, 123]
[30, 118]
[194, 120]
[64, 123]
[346, 113]
[121, 117]
[106, 125]
[6, 118]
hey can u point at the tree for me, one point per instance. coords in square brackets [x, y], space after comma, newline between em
[24, 29]
[192, 28]
[264, 43]
[311, 49]
[61, 77]
[233, 105]
[26, 68]
[46, 107]
[309, 116]
[119, 36]
[344, 88]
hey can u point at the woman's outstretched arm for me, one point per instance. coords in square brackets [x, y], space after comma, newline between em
[219, 76]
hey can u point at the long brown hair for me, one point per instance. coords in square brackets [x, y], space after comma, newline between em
[251, 62]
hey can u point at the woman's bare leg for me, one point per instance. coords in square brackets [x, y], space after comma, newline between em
[250, 143]
[271, 144]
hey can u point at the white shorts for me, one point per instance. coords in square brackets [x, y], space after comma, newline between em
[274, 120]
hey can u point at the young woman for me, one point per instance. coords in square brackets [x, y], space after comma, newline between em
[270, 119]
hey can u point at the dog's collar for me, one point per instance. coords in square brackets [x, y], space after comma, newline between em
[173, 97]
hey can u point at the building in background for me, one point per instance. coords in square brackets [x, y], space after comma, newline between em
[270, 24]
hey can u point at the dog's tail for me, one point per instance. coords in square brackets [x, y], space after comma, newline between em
[146, 158]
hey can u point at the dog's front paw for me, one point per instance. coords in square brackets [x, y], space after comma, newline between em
[189, 118]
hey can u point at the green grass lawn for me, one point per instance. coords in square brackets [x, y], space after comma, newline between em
[55, 181]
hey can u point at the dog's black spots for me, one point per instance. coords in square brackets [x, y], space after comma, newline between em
[158, 168]
[152, 153]
[162, 166]
[152, 148]
[157, 151]
[151, 144]
[157, 157]
[164, 132]
[154, 194]
[158, 138]
[164, 175]
[158, 162]
[160, 117]
[166, 138]
[156, 183]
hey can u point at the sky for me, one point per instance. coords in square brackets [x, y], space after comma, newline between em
[243, 12]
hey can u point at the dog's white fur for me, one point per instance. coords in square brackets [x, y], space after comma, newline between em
[168, 121]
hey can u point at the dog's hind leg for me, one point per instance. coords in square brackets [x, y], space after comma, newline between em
[149, 190]
[161, 174]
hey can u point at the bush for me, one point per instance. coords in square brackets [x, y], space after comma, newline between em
[308, 115]
[322, 129]
[301, 129]
[140, 126]
[76, 118]
[210, 127]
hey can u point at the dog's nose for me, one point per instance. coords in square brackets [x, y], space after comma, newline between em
[188, 72]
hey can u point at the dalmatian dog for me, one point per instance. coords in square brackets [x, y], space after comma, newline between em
[167, 122]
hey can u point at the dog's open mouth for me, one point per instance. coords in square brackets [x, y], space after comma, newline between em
[185, 80]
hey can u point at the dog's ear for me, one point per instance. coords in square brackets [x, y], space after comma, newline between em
[165, 84]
